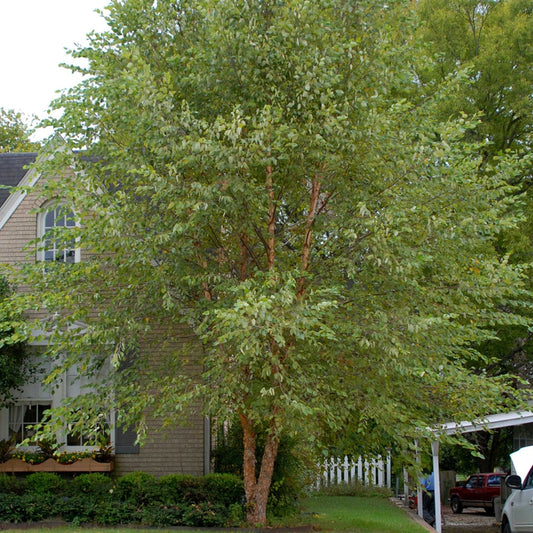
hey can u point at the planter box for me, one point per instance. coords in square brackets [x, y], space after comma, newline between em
[50, 465]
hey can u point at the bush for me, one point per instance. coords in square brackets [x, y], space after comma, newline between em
[205, 515]
[113, 513]
[291, 469]
[138, 487]
[225, 489]
[7, 447]
[138, 498]
[290, 478]
[356, 488]
[94, 485]
[235, 514]
[77, 509]
[11, 508]
[10, 484]
[176, 489]
[163, 515]
[45, 483]
[40, 506]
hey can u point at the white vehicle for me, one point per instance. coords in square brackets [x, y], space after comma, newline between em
[517, 513]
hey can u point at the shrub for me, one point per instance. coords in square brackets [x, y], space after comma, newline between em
[94, 484]
[76, 509]
[205, 515]
[356, 488]
[6, 449]
[11, 508]
[10, 484]
[209, 501]
[177, 488]
[163, 515]
[45, 483]
[235, 514]
[111, 513]
[15, 508]
[39, 506]
[291, 469]
[225, 489]
[138, 487]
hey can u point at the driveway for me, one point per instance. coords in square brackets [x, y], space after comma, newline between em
[469, 521]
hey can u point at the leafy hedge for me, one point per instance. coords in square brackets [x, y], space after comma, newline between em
[136, 498]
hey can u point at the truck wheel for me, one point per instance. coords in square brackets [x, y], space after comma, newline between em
[490, 509]
[456, 505]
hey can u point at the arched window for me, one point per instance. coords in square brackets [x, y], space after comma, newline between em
[52, 224]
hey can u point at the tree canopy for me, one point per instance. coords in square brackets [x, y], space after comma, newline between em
[491, 42]
[273, 176]
[14, 368]
[15, 132]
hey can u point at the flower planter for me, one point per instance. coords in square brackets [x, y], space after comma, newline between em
[50, 465]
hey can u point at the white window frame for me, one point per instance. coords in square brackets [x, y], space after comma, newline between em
[54, 398]
[26, 402]
[41, 230]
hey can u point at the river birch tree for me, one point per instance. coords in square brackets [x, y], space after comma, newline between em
[270, 175]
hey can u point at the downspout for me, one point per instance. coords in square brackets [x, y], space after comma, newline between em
[419, 495]
[207, 445]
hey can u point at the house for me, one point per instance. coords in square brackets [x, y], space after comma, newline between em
[181, 450]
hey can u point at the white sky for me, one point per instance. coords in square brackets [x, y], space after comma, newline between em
[33, 38]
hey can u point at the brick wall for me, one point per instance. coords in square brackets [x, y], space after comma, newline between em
[175, 450]
[179, 450]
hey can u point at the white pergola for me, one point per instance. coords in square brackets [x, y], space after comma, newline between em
[501, 420]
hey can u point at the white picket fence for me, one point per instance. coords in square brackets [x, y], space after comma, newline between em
[338, 470]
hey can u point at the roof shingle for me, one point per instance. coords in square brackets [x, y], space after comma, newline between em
[12, 170]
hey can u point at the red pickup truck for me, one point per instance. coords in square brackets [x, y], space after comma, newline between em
[479, 490]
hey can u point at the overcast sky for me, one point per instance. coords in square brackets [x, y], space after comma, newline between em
[33, 38]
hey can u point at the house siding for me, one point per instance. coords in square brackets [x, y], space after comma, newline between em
[19, 230]
[166, 452]
[179, 449]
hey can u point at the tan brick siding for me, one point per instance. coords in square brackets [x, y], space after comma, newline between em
[19, 230]
[179, 450]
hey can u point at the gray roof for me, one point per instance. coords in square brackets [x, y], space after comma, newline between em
[12, 170]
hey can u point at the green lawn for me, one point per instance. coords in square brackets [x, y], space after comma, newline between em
[359, 515]
[326, 513]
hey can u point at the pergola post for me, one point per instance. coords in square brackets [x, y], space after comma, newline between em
[419, 495]
[436, 480]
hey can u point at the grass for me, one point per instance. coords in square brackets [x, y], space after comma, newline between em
[372, 514]
[329, 514]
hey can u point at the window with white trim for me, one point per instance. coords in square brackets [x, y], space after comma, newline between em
[33, 399]
[22, 417]
[52, 224]
[74, 385]
[31, 402]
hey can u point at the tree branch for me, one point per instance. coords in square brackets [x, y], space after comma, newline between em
[271, 252]
[316, 185]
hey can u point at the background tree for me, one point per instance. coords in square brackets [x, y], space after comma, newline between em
[491, 41]
[272, 176]
[15, 133]
[14, 370]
